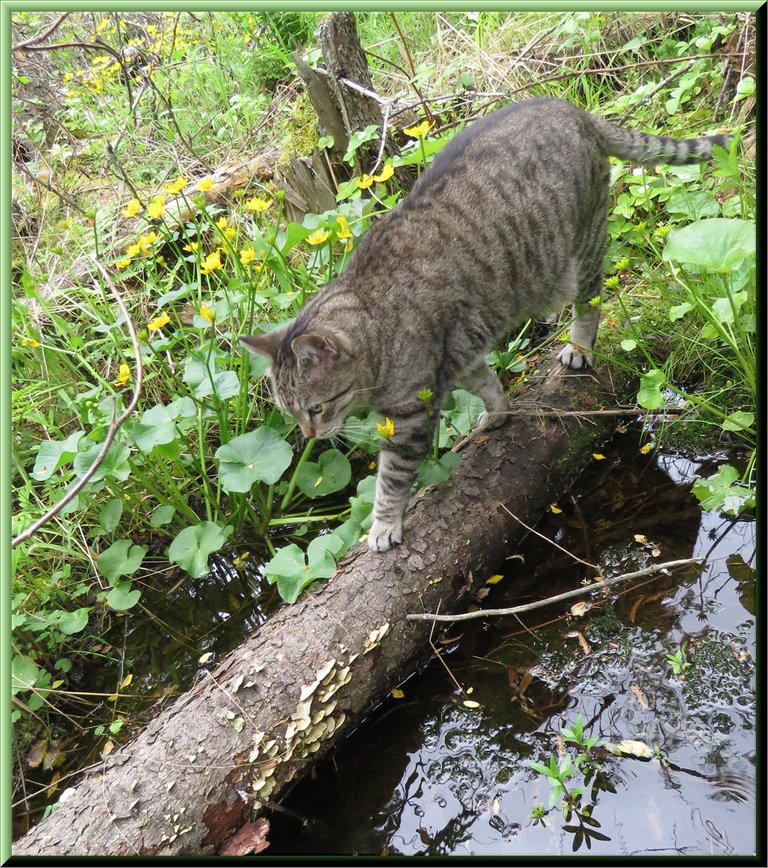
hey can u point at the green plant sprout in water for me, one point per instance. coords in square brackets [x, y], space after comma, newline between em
[586, 772]
[677, 662]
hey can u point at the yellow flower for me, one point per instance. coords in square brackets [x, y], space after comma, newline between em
[598, 456]
[161, 261]
[420, 129]
[205, 185]
[29, 342]
[207, 313]
[176, 186]
[646, 448]
[147, 239]
[343, 231]
[247, 256]
[318, 237]
[364, 181]
[386, 430]
[192, 246]
[123, 263]
[256, 204]
[132, 208]
[133, 250]
[158, 322]
[222, 222]
[156, 207]
[65, 224]
[211, 262]
[386, 173]
[123, 375]
[230, 233]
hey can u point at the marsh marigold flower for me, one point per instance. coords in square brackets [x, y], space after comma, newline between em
[420, 129]
[258, 205]
[205, 185]
[123, 374]
[158, 322]
[222, 222]
[364, 181]
[247, 256]
[386, 173]
[207, 313]
[386, 430]
[123, 263]
[176, 186]
[343, 230]
[132, 208]
[156, 207]
[211, 262]
[30, 342]
[192, 246]
[133, 250]
[318, 237]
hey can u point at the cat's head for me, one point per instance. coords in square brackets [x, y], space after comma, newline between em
[315, 376]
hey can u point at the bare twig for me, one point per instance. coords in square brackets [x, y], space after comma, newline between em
[412, 80]
[114, 424]
[663, 84]
[568, 595]
[552, 542]
[20, 46]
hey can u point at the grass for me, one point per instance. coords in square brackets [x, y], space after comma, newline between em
[208, 461]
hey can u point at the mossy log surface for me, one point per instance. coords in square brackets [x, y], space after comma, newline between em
[197, 778]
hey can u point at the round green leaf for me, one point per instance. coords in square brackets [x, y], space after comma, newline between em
[330, 473]
[628, 344]
[720, 244]
[738, 421]
[191, 548]
[122, 597]
[162, 515]
[24, 673]
[120, 559]
[73, 622]
[258, 456]
[110, 513]
[649, 394]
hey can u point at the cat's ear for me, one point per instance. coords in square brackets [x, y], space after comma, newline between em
[265, 343]
[313, 349]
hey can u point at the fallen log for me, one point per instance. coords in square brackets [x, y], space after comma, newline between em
[198, 777]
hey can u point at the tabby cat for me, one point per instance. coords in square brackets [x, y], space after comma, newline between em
[508, 222]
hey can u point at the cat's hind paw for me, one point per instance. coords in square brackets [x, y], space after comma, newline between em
[488, 421]
[382, 535]
[575, 357]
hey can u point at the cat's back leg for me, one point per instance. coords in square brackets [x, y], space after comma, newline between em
[481, 381]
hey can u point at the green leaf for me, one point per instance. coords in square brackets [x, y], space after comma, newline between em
[628, 344]
[73, 622]
[54, 454]
[156, 426]
[122, 598]
[649, 394]
[330, 473]
[110, 514]
[193, 545]
[258, 456]
[24, 673]
[122, 558]
[720, 492]
[293, 572]
[695, 204]
[437, 469]
[162, 515]
[739, 421]
[723, 309]
[115, 464]
[680, 310]
[204, 382]
[719, 244]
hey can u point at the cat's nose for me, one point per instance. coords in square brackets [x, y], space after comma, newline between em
[307, 429]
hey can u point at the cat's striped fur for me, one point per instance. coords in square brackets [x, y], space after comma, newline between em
[508, 222]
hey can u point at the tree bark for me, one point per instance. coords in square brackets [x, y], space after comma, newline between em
[197, 778]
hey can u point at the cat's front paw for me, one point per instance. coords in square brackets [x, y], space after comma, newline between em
[488, 421]
[383, 535]
[575, 357]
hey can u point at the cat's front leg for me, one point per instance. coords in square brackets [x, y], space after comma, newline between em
[399, 457]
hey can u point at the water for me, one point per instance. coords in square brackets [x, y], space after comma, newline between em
[426, 775]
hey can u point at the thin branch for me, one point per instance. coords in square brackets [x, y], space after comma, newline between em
[412, 80]
[20, 46]
[568, 595]
[547, 539]
[114, 424]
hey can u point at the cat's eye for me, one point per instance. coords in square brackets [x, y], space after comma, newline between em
[315, 410]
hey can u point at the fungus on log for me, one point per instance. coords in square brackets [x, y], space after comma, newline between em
[198, 777]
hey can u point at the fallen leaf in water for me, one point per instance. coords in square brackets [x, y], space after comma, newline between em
[204, 658]
[36, 753]
[579, 609]
[494, 580]
[482, 593]
[470, 703]
[646, 449]
[108, 748]
[631, 747]
[396, 693]
[641, 538]
[598, 456]
[53, 785]
[655, 552]
[575, 634]
[639, 695]
[525, 682]
[126, 681]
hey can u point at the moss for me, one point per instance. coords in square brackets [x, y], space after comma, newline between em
[301, 133]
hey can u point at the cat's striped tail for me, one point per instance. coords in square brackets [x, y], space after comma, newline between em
[645, 148]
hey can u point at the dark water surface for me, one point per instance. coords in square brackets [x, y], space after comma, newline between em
[427, 775]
